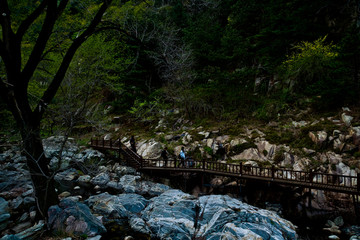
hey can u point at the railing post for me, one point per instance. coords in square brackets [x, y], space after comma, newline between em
[241, 168]
[358, 182]
[203, 164]
[272, 171]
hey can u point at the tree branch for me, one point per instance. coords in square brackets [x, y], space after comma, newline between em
[5, 21]
[60, 74]
[61, 7]
[40, 44]
[24, 26]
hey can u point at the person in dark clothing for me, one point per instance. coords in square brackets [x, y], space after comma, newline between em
[164, 155]
[220, 151]
[132, 143]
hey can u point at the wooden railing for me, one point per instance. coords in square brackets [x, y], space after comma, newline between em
[314, 180]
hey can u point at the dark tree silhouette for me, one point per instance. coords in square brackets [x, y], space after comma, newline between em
[14, 86]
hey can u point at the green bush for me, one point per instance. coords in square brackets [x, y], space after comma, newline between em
[279, 156]
[314, 70]
[241, 147]
[208, 150]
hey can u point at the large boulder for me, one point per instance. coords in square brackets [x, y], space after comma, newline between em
[171, 215]
[134, 184]
[149, 149]
[90, 156]
[266, 147]
[177, 215]
[250, 154]
[117, 206]
[52, 146]
[223, 216]
[74, 218]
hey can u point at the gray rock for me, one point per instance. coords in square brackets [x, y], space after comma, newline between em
[74, 218]
[339, 221]
[139, 225]
[225, 214]
[171, 215]
[129, 183]
[29, 234]
[124, 170]
[346, 119]
[90, 156]
[52, 147]
[101, 179]
[319, 138]
[4, 213]
[175, 215]
[84, 179]
[108, 136]
[299, 124]
[117, 206]
[29, 200]
[21, 227]
[98, 237]
[149, 149]
[250, 154]
[24, 217]
[16, 202]
[67, 175]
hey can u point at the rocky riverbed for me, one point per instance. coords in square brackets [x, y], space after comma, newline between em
[98, 200]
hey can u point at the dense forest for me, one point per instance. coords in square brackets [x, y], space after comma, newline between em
[210, 59]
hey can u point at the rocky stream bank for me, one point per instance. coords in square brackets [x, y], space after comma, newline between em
[110, 197]
[101, 199]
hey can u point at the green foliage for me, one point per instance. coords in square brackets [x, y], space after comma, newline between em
[310, 63]
[149, 110]
[196, 154]
[279, 156]
[315, 70]
[241, 147]
[208, 150]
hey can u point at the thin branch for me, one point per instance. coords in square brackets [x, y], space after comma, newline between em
[41, 42]
[24, 26]
[61, 7]
[60, 74]
[5, 21]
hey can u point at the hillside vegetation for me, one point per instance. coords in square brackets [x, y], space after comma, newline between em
[218, 62]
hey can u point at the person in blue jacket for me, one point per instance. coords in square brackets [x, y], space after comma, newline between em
[182, 157]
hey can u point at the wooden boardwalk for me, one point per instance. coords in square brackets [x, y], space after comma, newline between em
[312, 180]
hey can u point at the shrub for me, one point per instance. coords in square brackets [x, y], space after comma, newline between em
[241, 147]
[315, 70]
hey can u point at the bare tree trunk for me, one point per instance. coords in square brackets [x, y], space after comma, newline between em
[37, 162]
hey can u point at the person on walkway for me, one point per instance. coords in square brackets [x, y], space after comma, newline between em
[132, 143]
[182, 157]
[164, 156]
[220, 152]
